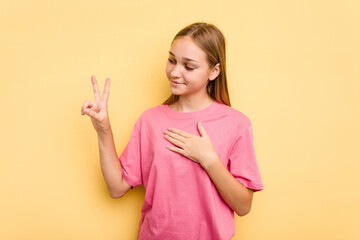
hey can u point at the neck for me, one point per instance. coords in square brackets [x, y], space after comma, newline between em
[192, 103]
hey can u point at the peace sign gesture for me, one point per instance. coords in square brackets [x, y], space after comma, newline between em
[97, 110]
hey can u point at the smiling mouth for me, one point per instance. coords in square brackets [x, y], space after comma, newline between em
[177, 83]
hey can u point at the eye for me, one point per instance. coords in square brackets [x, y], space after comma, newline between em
[171, 61]
[188, 68]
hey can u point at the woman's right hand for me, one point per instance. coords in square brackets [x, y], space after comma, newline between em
[97, 110]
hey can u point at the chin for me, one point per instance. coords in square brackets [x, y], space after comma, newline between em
[175, 92]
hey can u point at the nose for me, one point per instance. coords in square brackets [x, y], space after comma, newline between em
[175, 71]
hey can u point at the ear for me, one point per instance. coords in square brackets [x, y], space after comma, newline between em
[215, 71]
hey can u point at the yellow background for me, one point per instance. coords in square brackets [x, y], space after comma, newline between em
[293, 69]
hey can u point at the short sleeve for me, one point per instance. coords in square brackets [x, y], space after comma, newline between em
[130, 159]
[242, 161]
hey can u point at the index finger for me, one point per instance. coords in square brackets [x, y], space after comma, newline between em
[96, 88]
[105, 95]
[180, 132]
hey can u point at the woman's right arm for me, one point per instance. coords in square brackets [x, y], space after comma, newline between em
[110, 164]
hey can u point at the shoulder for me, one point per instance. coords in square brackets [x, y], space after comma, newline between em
[152, 111]
[236, 117]
[150, 114]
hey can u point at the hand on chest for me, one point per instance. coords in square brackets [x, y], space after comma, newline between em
[184, 141]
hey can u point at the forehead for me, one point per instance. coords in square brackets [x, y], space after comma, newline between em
[184, 47]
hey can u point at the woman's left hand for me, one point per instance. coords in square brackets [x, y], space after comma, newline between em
[197, 148]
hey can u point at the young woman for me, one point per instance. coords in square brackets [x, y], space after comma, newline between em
[194, 153]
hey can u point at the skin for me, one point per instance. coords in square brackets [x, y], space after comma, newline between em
[109, 162]
[193, 77]
[97, 109]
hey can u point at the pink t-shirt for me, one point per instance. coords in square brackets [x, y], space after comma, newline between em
[181, 201]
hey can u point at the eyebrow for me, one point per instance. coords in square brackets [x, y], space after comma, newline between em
[188, 59]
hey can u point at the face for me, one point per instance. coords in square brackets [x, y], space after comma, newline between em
[187, 68]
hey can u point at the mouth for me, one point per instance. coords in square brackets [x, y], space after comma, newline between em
[176, 83]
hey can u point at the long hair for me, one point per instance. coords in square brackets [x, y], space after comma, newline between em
[210, 39]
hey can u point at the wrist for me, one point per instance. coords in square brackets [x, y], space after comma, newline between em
[104, 133]
[209, 162]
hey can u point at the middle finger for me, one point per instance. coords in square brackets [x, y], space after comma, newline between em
[175, 136]
[96, 88]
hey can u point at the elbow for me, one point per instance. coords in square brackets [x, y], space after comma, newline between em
[245, 207]
[116, 194]
[119, 190]
[242, 212]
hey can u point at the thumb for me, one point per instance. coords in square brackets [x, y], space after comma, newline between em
[202, 130]
[92, 113]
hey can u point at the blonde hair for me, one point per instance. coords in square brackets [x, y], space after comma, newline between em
[210, 39]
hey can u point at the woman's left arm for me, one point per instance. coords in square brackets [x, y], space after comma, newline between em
[235, 194]
[200, 150]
